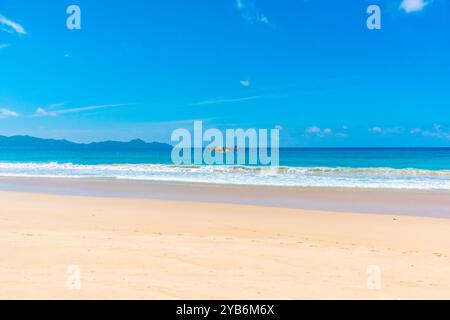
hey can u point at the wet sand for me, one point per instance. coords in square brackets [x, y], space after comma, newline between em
[426, 203]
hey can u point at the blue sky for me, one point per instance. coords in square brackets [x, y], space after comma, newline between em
[139, 69]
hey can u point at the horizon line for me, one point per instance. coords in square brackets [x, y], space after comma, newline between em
[169, 144]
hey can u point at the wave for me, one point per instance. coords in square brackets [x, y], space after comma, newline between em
[341, 177]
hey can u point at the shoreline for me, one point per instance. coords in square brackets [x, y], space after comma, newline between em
[426, 203]
[165, 249]
[390, 178]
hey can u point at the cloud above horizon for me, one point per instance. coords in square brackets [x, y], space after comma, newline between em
[245, 83]
[413, 5]
[11, 26]
[6, 113]
[221, 101]
[50, 112]
[326, 132]
[437, 131]
[382, 130]
[249, 13]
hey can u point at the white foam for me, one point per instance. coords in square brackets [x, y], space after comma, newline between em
[241, 175]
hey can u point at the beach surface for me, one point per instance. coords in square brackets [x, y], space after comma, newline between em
[137, 248]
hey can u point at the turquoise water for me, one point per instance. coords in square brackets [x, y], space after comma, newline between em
[420, 158]
[356, 168]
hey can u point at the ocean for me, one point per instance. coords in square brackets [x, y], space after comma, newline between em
[391, 168]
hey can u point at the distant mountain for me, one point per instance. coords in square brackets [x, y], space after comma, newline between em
[33, 143]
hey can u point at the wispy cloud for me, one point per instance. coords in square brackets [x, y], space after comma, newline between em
[221, 101]
[249, 13]
[274, 95]
[413, 5]
[381, 130]
[11, 26]
[437, 131]
[56, 105]
[6, 113]
[4, 45]
[51, 112]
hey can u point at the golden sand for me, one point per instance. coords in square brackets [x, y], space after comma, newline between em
[147, 249]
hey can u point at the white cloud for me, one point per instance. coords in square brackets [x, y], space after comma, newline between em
[41, 112]
[376, 130]
[6, 113]
[49, 111]
[11, 25]
[437, 131]
[380, 130]
[413, 5]
[245, 83]
[56, 105]
[249, 12]
[313, 129]
[4, 45]
[209, 102]
[322, 133]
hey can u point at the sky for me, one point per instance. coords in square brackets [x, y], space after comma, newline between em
[140, 69]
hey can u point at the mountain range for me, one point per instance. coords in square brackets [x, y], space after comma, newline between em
[33, 143]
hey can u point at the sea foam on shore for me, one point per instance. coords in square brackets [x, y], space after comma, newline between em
[241, 175]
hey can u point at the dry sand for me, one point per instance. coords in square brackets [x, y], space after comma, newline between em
[150, 249]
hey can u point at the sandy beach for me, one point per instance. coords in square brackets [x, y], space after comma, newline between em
[224, 150]
[168, 249]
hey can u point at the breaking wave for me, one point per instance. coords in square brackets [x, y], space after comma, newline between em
[340, 177]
